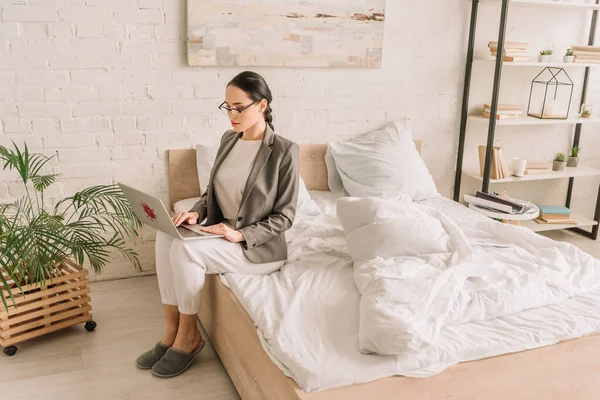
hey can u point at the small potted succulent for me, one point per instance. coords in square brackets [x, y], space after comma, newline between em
[569, 56]
[559, 162]
[586, 111]
[545, 55]
[573, 160]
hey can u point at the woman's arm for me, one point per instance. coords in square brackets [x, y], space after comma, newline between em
[284, 210]
[201, 206]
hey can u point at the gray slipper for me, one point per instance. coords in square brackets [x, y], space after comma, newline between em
[175, 362]
[151, 357]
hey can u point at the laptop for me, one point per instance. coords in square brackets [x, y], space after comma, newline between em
[151, 211]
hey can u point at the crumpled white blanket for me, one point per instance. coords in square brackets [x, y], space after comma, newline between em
[420, 276]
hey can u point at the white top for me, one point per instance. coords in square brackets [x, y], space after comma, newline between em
[230, 179]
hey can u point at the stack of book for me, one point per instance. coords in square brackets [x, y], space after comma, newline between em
[513, 51]
[554, 215]
[499, 202]
[587, 54]
[537, 167]
[499, 167]
[505, 111]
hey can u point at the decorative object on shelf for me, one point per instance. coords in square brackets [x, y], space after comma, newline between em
[513, 51]
[586, 54]
[569, 56]
[545, 55]
[41, 289]
[550, 95]
[505, 111]
[322, 34]
[586, 110]
[519, 166]
[573, 160]
[559, 162]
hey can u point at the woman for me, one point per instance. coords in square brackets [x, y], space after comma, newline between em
[251, 200]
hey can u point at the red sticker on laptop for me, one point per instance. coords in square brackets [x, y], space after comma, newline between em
[149, 211]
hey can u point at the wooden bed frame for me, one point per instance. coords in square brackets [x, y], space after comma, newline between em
[568, 370]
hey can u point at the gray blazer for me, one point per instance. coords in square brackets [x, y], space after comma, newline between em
[270, 197]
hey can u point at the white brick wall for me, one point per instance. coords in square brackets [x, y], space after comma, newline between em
[104, 83]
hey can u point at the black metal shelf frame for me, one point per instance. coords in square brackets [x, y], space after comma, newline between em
[494, 108]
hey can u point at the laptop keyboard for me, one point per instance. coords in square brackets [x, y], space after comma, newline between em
[186, 232]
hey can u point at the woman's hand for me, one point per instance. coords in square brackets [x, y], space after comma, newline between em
[221, 229]
[190, 218]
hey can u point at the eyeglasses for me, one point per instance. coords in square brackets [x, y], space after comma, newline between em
[235, 112]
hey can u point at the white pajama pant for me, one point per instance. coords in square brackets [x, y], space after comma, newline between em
[181, 266]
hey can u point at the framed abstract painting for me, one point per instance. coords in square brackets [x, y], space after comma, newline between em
[286, 33]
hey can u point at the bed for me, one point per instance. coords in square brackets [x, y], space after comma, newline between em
[566, 370]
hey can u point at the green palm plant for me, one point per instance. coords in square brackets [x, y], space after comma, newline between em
[34, 239]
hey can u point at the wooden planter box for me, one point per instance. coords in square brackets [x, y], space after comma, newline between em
[62, 302]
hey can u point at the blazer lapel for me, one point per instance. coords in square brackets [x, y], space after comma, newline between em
[264, 152]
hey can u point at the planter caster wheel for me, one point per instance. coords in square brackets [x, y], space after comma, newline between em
[90, 326]
[10, 350]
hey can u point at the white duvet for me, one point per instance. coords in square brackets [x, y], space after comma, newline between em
[311, 317]
[420, 275]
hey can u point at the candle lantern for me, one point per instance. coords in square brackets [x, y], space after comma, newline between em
[550, 95]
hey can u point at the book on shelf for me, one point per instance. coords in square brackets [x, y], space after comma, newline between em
[498, 166]
[511, 52]
[555, 217]
[554, 210]
[503, 164]
[486, 114]
[543, 221]
[516, 59]
[536, 171]
[504, 111]
[504, 107]
[586, 54]
[510, 45]
[538, 165]
[585, 61]
[585, 48]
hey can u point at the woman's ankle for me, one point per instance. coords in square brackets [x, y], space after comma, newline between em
[169, 337]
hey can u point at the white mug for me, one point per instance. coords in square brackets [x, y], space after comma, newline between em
[518, 166]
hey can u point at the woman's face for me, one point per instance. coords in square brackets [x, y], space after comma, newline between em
[244, 114]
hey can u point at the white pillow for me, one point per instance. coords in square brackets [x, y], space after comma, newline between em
[205, 159]
[306, 205]
[334, 180]
[185, 204]
[383, 163]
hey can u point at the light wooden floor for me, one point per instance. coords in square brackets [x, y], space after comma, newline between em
[78, 365]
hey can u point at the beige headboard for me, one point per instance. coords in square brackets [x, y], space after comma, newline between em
[183, 175]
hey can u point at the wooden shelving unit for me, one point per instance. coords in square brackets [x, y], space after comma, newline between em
[534, 121]
[575, 4]
[499, 65]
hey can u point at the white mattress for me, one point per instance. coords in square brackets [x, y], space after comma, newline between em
[307, 314]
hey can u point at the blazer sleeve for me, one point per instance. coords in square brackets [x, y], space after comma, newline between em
[284, 210]
[201, 206]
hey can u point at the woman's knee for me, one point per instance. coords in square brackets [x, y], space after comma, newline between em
[162, 241]
[178, 254]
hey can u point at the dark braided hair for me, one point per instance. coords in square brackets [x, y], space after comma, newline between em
[257, 89]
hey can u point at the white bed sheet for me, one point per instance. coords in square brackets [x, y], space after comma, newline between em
[307, 314]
